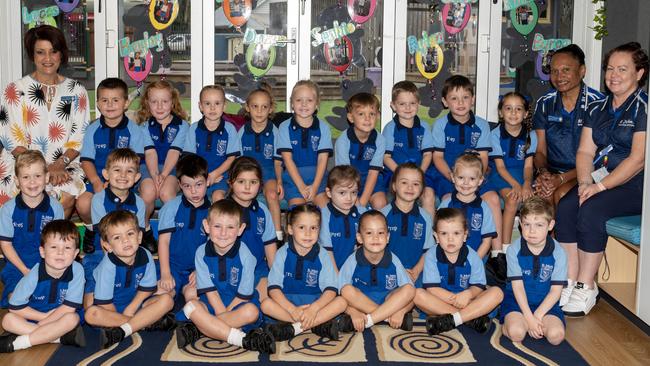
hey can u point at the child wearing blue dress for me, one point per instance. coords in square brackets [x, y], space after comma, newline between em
[305, 144]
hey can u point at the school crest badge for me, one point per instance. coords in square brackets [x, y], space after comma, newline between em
[221, 147]
[122, 142]
[312, 277]
[234, 276]
[391, 281]
[418, 229]
[477, 221]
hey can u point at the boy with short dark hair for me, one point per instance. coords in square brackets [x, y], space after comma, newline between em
[224, 299]
[23, 217]
[374, 282]
[125, 282]
[43, 307]
[363, 147]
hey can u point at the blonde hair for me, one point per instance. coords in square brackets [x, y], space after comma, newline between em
[309, 84]
[469, 159]
[218, 88]
[537, 206]
[177, 109]
[29, 158]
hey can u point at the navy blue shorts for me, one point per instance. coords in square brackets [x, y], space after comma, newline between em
[90, 262]
[10, 276]
[509, 305]
[180, 316]
[145, 172]
[307, 173]
[499, 183]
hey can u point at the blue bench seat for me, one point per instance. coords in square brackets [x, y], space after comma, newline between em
[627, 228]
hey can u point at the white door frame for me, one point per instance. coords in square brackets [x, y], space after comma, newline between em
[11, 67]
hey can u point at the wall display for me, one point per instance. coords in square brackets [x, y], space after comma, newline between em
[339, 56]
[361, 10]
[455, 16]
[545, 48]
[138, 65]
[524, 17]
[40, 16]
[237, 11]
[67, 6]
[162, 13]
[260, 58]
[428, 54]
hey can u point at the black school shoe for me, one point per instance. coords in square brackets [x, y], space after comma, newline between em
[407, 322]
[110, 336]
[89, 241]
[329, 329]
[149, 242]
[7, 342]
[75, 337]
[480, 324]
[440, 324]
[496, 271]
[187, 334]
[167, 322]
[259, 340]
[281, 331]
[345, 323]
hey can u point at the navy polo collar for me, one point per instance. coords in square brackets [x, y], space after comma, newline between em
[335, 211]
[385, 261]
[352, 136]
[475, 203]
[295, 126]
[625, 106]
[219, 129]
[581, 102]
[189, 204]
[44, 276]
[462, 256]
[42, 207]
[311, 255]
[210, 251]
[176, 121]
[414, 211]
[130, 199]
[248, 128]
[141, 258]
[470, 122]
[123, 123]
[416, 122]
[505, 133]
[254, 206]
[549, 247]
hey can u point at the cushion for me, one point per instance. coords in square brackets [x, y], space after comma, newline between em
[627, 228]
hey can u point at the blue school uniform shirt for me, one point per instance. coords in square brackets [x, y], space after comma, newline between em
[563, 128]
[117, 282]
[184, 222]
[214, 146]
[467, 271]
[338, 231]
[381, 278]
[260, 146]
[538, 272]
[42, 292]
[405, 144]
[106, 201]
[411, 233]
[101, 139]
[616, 127]
[171, 138]
[453, 138]
[21, 226]
[479, 219]
[364, 156]
[511, 149]
[311, 274]
[259, 231]
[231, 275]
[304, 143]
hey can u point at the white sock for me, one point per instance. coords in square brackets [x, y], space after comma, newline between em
[188, 309]
[457, 319]
[505, 247]
[126, 327]
[58, 340]
[22, 342]
[279, 235]
[89, 227]
[297, 328]
[369, 322]
[570, 283]
[236, 337]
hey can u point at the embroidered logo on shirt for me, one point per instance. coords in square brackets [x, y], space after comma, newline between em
[368, 154]
[62, 294]
[221, 147]
[123, 142]
[314, 142]
[260, 225]
[419, 141]
[477, 221]
[626, 123]
[138, 278]
[463, 280]
[474, 138]
[234, 276]
[312, 277]
[520, 152]
[391, 281]
[171, 135]
[45, 220]
[418, 228]
[545, 272]
[268, 151]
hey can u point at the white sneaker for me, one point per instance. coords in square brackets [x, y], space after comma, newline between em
[566, 292]
[581, 301]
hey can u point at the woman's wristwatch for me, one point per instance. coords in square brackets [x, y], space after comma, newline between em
[66, 160]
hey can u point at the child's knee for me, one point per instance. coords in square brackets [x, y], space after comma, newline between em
[91, 314]
[515, 332]
[167, 195]
[271, 194]
[555, 335]
[267, 305]
[420, 296]
[69, 320]
[249, 312]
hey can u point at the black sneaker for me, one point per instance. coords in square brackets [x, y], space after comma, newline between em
[407, 322]
[281, 331]
[345, 323]
[167, 322]
[187, 334]
[89, 241]
[480, 324]
[149, 242]
[110, 336]
[7, 342]
[74, 337]
[259, 340]
[440, 324]
[329, 329]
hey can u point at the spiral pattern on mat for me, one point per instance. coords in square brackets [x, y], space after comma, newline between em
[422, 345]
[206, 347]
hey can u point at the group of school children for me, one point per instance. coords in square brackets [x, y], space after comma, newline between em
[362, 246]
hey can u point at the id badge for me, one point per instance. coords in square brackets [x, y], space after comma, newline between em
[599, 174]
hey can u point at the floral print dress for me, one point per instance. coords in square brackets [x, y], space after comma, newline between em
[25, 120]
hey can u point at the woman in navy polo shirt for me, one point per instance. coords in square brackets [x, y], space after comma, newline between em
[609, 166]
[558, 120]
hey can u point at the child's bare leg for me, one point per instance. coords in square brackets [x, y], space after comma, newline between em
[41, 334]
[83, 206]
[273, 201]
[431, 304]
[207, 323]
[492, 199]
[553, 329]
[261, 289]
[100, 316]
[395, 302]
[429, 201]
[275, 311]
[509, 212]
[378, 200]
[321, 200]
[515, 326]
[218, 195]
[152, 310]
[169, 189]
[483, 304]
[358, 300]
[396, 320]
[243, 315]
[296, 201]
[68, 203]
[148, 193]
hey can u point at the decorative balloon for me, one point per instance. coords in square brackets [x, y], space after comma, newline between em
[67, 6]
[339, 56]
[138, 66]
[361, 10]
[430, 63]
[524, 18]
[260, 58]
[455, 16]
[40, 16]
[543, 65]
[162, 13]
[237, 11]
